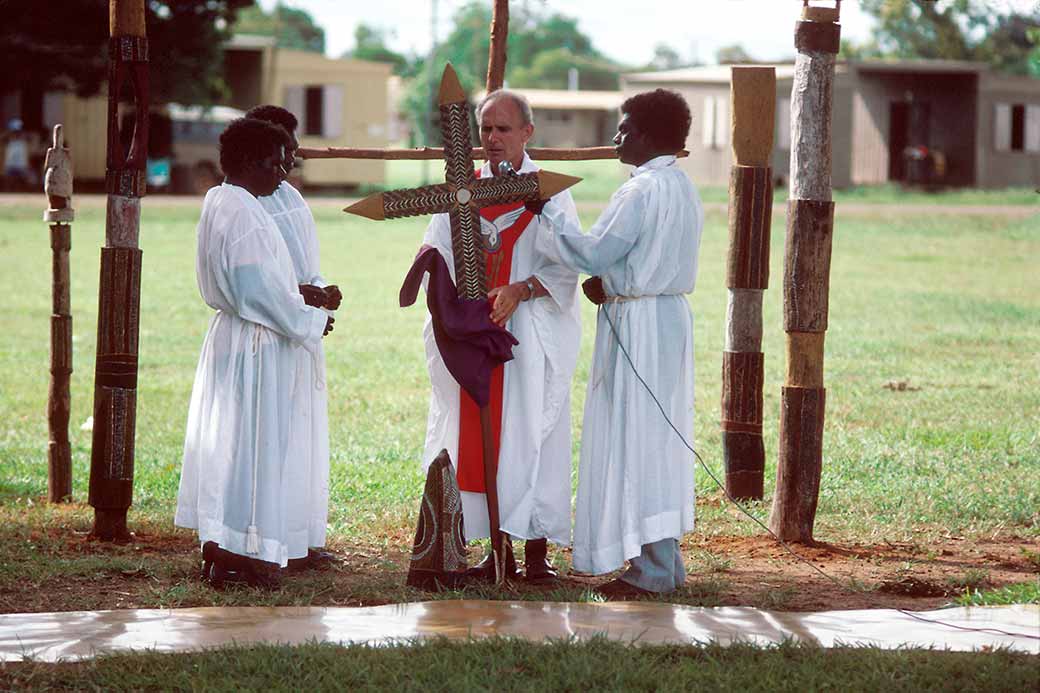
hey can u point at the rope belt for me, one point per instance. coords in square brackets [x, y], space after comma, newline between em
[626, 299]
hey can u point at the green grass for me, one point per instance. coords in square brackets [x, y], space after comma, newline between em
[948, 305]
[1018, 593]
[509, 665]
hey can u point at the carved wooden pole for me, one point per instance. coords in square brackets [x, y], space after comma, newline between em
[57, 184]
[496, 73]
[119, 295]
[753, 94]
[807, 261]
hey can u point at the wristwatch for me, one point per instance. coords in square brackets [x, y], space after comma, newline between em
[530, 288]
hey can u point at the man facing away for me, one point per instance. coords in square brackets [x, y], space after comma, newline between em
[309, 442]
[635, 484]
[535, 299]
[237, 461]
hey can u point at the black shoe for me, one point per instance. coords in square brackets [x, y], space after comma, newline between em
[485, 570]
[537, 569]
[315, 559]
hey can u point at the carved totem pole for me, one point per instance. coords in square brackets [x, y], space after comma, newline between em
[119, 299]
[57, 184]
[807, 265]
[753, 95]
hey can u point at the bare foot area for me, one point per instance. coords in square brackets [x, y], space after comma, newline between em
[61, 571]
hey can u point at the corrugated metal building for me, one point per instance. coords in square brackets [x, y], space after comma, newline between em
[982, 126]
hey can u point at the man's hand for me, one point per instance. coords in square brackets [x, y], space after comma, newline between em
[328, 326]
[313, 295]
[333, 297]
[505, 299]
[593, 288]
[535, 206]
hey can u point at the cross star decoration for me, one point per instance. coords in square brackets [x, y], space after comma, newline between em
[462, 194]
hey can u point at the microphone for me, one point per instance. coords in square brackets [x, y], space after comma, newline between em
[506, 169]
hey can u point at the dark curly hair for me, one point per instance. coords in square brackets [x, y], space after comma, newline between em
[662, 116]
[274, 114]
[246, 141]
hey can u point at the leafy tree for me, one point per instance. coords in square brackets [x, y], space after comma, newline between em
[550, 70]
[732, 55]
[46, 50]
[952, 29]
[292, 28]
[665, 58]
[370, 44]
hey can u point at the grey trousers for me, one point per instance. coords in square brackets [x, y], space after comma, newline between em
[658, 567]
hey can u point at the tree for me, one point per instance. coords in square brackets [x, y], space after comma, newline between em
[292, 28]
[551, 68]
[665, 58]
[370, 44]
[955, 30]
[732, 55]
[48, 51]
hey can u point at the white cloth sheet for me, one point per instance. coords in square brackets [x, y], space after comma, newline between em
[635, 479]
[534, 465]
[236, 448]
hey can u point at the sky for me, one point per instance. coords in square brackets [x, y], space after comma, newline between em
[625, 30]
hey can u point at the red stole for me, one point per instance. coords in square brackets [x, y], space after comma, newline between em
[471, 452]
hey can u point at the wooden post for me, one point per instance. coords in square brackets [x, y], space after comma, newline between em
[807, 259]
[753, 100]
[119, 296]
[496, 73]
[57, 185]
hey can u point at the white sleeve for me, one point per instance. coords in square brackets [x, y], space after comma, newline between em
[609, 239]
[559, 280]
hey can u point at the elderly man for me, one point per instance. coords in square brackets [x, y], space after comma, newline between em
[635, 484]
[234, 482]
[309, 445]
[534, 298]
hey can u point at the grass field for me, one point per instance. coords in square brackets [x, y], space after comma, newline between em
[933, 412]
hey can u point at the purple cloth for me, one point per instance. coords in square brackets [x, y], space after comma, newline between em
[470, 343]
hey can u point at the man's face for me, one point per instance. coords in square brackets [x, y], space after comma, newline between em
[503, 133]
[630, 144]
[266, 175]
[289, 162]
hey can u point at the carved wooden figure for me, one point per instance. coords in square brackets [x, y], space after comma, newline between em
[807, 258]
[753, 94]
[119, 296]
[57, 184]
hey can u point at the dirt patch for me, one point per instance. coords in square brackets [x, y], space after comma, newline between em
[55, 570]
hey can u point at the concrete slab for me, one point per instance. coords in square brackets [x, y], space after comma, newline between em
[76, 635]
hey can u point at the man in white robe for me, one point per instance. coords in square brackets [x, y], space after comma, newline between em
[309, 444]
[635, 483]
[233, 486]
[535, 299]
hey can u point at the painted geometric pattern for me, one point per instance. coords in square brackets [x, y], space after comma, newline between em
[470, 274]
[458, 152]
[429, 199]
[502, 189]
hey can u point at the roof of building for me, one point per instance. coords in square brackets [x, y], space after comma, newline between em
[572, 100]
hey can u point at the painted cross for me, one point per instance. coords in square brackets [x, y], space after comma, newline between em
[462, 194]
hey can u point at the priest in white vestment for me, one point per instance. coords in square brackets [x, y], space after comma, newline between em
[236, 466]
[309, 443]
[635, 480]
[535, 299]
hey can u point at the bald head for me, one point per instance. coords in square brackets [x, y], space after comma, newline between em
[520, 103]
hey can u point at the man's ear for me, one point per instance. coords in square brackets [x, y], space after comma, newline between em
[528, 131]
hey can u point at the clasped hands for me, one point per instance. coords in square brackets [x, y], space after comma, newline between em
[328, 297]
[505, 299]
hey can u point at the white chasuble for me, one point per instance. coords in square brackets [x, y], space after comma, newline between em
[237, 462]
[635, 477]
[309, 441]
[534, 461]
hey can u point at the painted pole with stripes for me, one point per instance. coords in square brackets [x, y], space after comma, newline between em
[57, 185]
[806, 282]
[753, 106]
[119, 294]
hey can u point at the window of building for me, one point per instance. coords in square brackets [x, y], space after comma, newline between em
[715, 122]
[1016, 127]
[318, 108]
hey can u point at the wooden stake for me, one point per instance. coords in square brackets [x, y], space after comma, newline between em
[58, 187]
[119, 296]
[497, 52]
[806, 278]
[753, 99]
